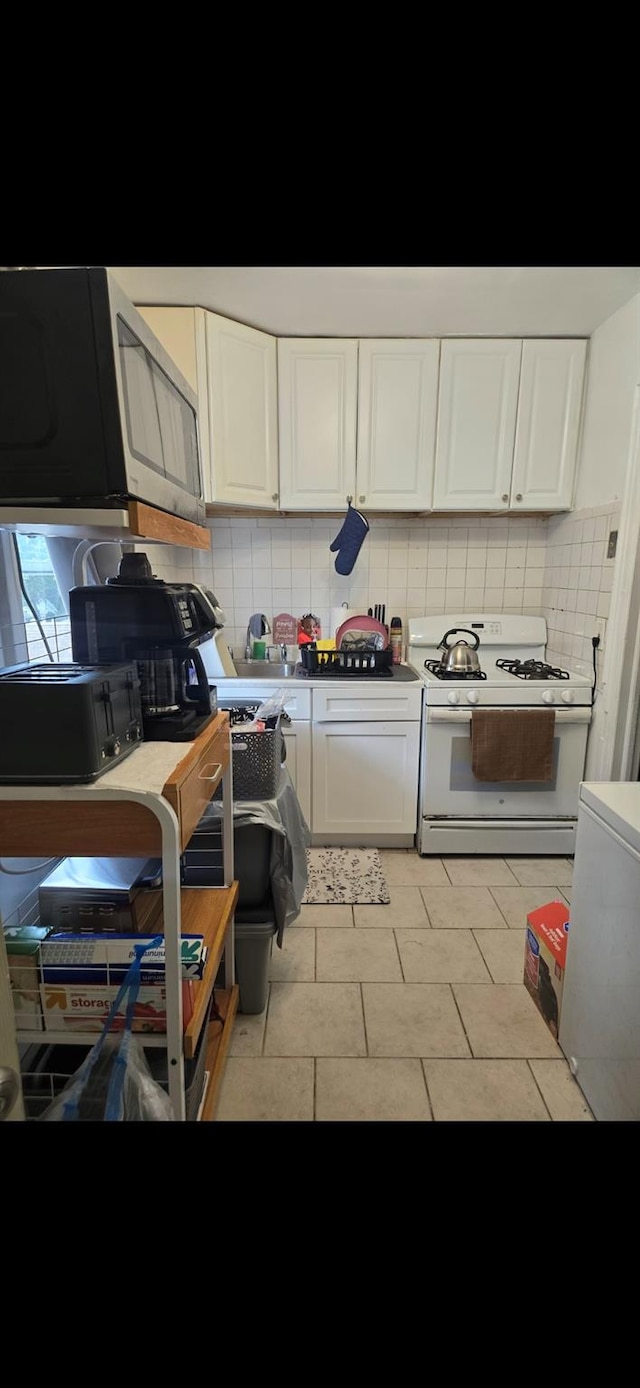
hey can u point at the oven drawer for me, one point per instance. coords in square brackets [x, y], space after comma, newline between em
[371, 703]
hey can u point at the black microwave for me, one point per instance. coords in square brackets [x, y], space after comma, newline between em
[93, 411]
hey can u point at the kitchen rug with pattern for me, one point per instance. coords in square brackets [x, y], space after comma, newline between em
[345, 877]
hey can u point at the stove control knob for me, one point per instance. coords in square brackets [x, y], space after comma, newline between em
[473, 696]
[567, 696]
[453, 697]
[548, 697]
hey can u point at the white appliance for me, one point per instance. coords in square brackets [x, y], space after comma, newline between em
[600, 1013]
[457, 812]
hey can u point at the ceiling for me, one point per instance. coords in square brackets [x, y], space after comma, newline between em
[393, 301]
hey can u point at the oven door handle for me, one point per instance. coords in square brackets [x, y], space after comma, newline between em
[464, 715]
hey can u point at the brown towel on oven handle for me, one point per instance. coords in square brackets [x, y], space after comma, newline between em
[514, 744]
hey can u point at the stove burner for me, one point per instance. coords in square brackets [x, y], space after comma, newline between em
[532, 670]
[433, 667]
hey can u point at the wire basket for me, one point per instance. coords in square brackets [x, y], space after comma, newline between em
[257, 758]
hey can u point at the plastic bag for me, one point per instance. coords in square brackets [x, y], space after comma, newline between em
[114, 1082]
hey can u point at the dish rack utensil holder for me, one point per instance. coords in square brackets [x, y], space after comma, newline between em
[257, 758]
[345, 662]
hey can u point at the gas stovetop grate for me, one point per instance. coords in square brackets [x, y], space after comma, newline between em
[532, 670]
[434, 668]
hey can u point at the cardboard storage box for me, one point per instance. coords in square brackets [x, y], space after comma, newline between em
[67, 1007]
[23, 956]
[69, 958]
[545, 957]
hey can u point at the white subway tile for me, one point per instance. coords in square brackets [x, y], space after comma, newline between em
[455, 577]
[455, 597]
[494, 598]
[604, 604]
[476, 557]
[517, 556]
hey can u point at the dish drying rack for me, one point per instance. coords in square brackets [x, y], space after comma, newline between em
[344, 662]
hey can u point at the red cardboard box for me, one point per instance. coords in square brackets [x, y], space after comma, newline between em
[545, 958]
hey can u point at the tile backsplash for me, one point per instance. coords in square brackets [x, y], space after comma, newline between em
[554, 566]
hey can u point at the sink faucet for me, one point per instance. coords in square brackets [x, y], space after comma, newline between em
[258, 627]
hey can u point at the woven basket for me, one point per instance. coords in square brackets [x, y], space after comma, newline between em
[257, 758]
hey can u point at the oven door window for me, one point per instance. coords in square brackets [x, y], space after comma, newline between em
[161, 424]
[450, 787]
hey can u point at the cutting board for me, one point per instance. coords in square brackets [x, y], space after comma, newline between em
[362, 623]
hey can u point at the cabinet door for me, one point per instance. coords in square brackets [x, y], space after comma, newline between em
[477, 404]
[317, 384]
[551, 383]
[397, 407]
[243, 427]
[297, 738]
[365, 778]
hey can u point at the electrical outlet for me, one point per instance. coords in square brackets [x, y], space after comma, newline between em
[612, 545]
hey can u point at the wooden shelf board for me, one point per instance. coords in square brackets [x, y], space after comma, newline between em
[130, 522]
[206, 911]
[217, 1048]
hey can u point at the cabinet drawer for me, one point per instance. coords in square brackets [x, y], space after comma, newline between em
[198, 775]
[370, 703]
[297, 705]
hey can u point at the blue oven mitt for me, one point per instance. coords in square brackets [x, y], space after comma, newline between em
[349, 540]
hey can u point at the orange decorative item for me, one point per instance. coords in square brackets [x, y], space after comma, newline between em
[309, 629]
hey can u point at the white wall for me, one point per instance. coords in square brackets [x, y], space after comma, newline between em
[613, 373]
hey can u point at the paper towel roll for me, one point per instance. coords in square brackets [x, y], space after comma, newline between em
[340, 615]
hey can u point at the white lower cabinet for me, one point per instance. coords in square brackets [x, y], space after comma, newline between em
[365, 781]
[352, 755]
[297, 736]
[365, 750]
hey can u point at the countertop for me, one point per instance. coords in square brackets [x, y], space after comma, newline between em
[401, 674]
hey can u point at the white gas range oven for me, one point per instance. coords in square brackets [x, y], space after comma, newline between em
[458, 813]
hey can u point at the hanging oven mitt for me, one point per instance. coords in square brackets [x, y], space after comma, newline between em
[349, 540]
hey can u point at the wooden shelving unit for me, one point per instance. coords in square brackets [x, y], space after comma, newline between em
[149, 805]
[132, 522]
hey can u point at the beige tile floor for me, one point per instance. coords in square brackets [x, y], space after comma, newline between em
[411, 1012]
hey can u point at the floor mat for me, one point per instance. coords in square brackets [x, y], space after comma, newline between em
[345, 877]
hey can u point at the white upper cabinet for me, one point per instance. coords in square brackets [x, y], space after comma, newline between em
[508, 424]
[317, 385]
[477, 407]
[417, 424]
[243, 420]
[233, 369]
[397, 408]
[549, 407]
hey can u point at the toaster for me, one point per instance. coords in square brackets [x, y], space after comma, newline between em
[102, 894]
[67, 722]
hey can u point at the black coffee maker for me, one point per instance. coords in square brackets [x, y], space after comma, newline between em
[135, 616]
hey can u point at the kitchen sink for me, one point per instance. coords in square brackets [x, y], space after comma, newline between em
[265, 669]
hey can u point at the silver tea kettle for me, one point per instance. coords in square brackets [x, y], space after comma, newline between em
[460, 658]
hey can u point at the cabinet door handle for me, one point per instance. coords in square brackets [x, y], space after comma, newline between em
[217, 768]
[505, 496]
[361, 499]
[274, 496]
[518, 496]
